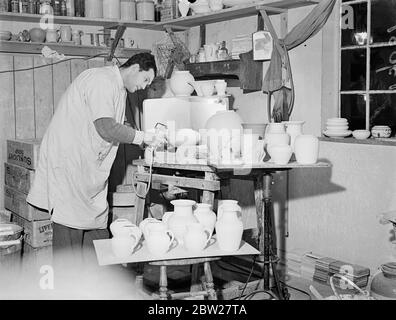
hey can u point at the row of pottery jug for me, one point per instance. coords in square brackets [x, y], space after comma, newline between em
[157, 235]
[126, 237]
[193, 228]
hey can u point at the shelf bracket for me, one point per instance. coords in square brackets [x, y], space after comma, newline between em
[119, 33]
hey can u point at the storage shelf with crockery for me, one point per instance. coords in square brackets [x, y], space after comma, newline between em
[66, 49]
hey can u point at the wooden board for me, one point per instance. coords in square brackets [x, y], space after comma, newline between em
[106, 256]
[24, 153]
[37, 233]
[43, 96]
[18, 177]
[61, 80]
[24, 98]
[7, 111]
[15, 201]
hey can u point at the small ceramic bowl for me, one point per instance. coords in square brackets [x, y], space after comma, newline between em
[361, 134]
[5, 35]
[381, 131]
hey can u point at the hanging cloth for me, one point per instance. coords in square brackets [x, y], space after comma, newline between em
[278, 80]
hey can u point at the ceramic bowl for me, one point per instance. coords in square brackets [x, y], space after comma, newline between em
[280, 154]
[37, 35]
[381, 131]
[361, 134]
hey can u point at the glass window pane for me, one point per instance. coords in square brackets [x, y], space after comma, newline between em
[353, 24]
[383, 22]
[383, 110]
[383, 68]
[353, 108]
[353, 69]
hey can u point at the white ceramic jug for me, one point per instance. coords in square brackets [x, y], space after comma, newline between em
[204, 214]
[124, 227]
[178, 220]
[229, 229]
[159, 239]
[197, 237]
[124, 246]
[228, 203]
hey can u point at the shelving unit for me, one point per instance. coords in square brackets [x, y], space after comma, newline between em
[66, 49]
[183, 23]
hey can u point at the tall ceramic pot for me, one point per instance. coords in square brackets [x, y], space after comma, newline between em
[178, 220]
[204, 214]
[228, 203]
[229, 229]
[306, 149]
[223, 134]
[294, 129]
[179, 83]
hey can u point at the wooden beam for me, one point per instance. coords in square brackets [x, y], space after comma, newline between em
[196, 183]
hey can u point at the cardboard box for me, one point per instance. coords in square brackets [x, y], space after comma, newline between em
[18, 177]
[15, 201]
[24, 153]
[36, 233]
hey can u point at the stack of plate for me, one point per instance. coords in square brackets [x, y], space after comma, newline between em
[337, 128]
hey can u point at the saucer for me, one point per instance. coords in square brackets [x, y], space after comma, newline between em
[340, 134]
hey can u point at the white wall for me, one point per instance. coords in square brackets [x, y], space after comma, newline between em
[333, 212]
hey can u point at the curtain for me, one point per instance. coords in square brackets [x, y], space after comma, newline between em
[278, 80]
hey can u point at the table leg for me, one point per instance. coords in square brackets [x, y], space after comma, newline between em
[258, 197]
[269, 256]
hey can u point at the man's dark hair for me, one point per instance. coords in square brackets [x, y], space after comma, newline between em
[145, 61]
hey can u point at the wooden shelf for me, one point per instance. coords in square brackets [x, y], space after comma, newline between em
[235, 12]
[107, 23]
[226, 14]
[66, 49]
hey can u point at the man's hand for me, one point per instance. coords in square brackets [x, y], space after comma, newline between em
[156, 138]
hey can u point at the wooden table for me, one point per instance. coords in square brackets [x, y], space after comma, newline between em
[208, 179]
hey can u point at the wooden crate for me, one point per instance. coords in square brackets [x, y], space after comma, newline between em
[15, 201]
[37, 233]
[18, 177]
[24, 153]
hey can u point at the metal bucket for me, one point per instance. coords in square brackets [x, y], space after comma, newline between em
[11, 240]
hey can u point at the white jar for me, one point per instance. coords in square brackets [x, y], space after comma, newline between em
[112, 9]
[93, 8]
[306, 149]
[128, 10]
[205, 215]
[145, 10]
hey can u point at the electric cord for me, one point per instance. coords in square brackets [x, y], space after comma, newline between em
[248, 279]
[244, 272]
[57, 62]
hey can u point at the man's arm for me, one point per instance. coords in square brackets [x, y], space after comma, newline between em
[112, 131]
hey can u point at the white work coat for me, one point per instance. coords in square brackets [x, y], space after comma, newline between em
[75, 162]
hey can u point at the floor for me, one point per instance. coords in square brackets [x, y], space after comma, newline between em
[117, 282]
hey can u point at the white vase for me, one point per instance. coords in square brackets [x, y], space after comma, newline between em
[306, 149]
[229, 229]
[294, 129]
[178, 220]
[228, 203]
[275, 135]
[205, 215]
[179, 83]
[93, 8]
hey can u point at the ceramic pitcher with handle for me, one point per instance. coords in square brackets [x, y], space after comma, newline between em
[197, 237]
[159, 239]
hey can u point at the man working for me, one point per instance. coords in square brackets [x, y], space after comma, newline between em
[79, 148]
